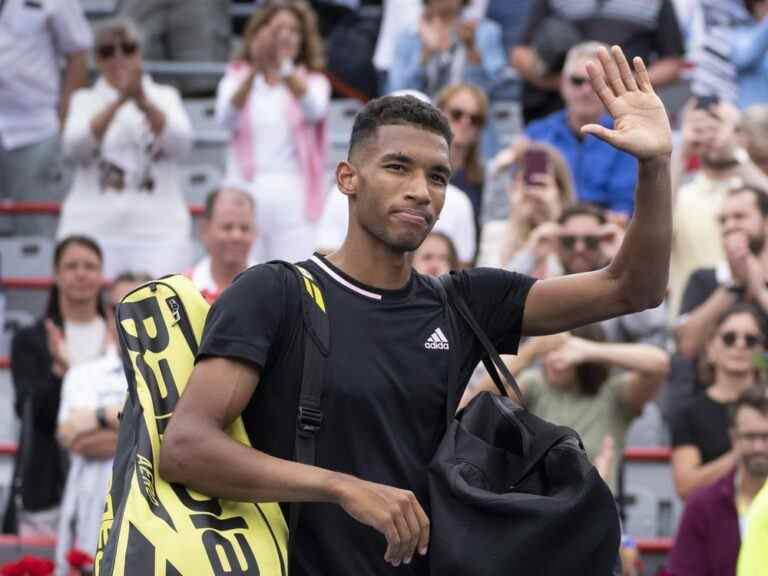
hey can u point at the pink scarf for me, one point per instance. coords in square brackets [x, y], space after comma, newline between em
[309, 138]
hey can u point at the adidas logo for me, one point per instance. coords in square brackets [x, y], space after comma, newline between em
[437, 341]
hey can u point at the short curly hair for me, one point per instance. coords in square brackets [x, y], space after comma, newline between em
[397, 110]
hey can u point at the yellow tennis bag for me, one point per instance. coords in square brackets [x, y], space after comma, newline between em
[151, 527]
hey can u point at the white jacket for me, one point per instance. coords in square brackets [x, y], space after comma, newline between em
[128, 185]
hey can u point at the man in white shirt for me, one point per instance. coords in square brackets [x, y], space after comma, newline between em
[35, 36]
[228, 232]
[92, 396]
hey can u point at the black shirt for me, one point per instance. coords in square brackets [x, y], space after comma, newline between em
[703, 423]
[385, 389]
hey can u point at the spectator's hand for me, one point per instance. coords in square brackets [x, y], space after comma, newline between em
[509, 155]
[81, 420]
[604, 460]
[755, 278]
[698, 129]
[393, 512]
[641, 127]
[130, 85]
[543, 345]
[434, 38]
[543, 240]
[736, 246]
[573, 352]
[57, 348]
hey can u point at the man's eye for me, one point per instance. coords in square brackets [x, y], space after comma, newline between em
[437, 179]
[396, 167]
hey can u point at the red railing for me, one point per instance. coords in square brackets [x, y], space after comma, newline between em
[54, 208]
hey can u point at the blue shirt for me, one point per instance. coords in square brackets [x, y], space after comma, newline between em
[601, 174]
[750, 45]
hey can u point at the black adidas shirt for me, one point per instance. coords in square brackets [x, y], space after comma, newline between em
[385, 390]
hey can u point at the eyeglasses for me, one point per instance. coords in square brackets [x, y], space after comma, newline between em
[577, 80]
[107, 51]
[457, 114]
[753, 436]
[750, 340]
[591, 242]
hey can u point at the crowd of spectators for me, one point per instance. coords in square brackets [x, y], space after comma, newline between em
[551, 202]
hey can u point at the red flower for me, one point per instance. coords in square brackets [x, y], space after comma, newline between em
[28, 566]
[78, 559]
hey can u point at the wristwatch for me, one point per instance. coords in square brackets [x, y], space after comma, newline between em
[101, 417]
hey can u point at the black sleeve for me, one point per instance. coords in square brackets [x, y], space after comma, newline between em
[681, 427]
[497, 299]
[669, 38]
[245, 321]
[700, 286]
[536, 14]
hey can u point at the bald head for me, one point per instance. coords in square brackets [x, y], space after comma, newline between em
[228, 230]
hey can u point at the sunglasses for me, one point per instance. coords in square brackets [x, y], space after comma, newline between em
[753, 436]
[750, 340]
[577, 81]
[457, 115]
[107, 51]
[590, 241]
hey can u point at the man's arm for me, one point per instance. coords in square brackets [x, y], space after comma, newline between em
[689, 473]
[636, 279]
[691, 332]
[75, 76]
[197, 452]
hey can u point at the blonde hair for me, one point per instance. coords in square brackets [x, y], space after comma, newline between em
[583, 51]
[474, 167]
[311, 52]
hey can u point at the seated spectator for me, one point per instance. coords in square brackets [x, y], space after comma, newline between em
[519, 240]
[466, 107]
[754, 135]
[603, 175]
[71, 332]
[702, 450]
[574, 387]
[127, 135]
[586, 241]
[273, 99]
[436, 255]
[227, 232]
[740, 277]
[35, 38]
[397, 16]
[92, 395]
[750, 47]
[446, 49]
[709, 536]
[708, 134]
[553, 26]
[183, 31]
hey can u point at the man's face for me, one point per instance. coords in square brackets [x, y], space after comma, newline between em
[580, 99]
[750, 438]
[229, 234]
[580, 244]
[739, 213]
[398, 185]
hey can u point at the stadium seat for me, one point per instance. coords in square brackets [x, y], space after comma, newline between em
[14, 319]
[99, 8]
[8, 422]
[202, 115]
[649, 429]
[26, 256]
[651, 505]
[198, 181]
[341, 117]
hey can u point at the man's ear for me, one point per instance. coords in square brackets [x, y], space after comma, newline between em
[346, 178]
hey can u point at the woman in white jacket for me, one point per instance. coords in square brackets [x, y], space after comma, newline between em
[127, 135]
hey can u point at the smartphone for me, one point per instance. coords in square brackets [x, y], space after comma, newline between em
[706, 102]
[535, 162]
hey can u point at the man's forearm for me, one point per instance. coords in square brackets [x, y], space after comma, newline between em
[665, 71]
[75, 76]
[210, 462]
[642, 263]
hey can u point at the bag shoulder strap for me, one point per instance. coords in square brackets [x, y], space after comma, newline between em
[309, 417]
[492, 361]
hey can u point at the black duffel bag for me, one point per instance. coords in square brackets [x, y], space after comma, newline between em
[511, 494]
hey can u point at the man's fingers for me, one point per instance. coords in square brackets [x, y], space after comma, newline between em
[600, 131]
[415, 528]
[624, 70]
[393, 541]
[400, 552]
[597, 79]
[641, 73]
[423, 542]
[611, 71]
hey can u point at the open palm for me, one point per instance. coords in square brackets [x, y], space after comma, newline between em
[640, 123]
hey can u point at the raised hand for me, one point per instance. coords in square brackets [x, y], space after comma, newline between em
[640, 123]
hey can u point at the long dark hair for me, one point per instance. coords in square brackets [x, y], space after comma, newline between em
[52, 309]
